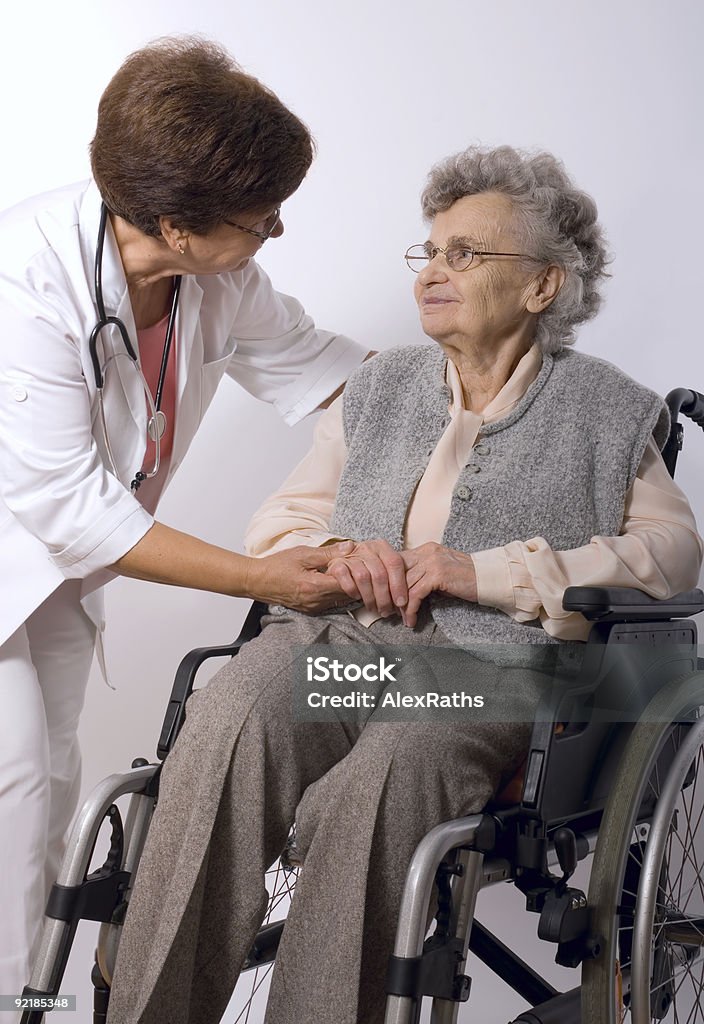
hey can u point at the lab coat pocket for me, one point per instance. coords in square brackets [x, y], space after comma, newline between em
[211, 374]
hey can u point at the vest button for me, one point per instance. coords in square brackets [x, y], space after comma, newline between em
[473, 468]
[482, 448]
[464, 493]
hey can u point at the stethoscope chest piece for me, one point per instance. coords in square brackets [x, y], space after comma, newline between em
[156, 426]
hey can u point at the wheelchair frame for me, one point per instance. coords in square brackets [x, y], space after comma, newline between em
[551, 825]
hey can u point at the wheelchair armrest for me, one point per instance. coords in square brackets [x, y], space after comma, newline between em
[622, 604]
[186, 674]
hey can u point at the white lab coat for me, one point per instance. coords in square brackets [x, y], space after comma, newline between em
[63, 514]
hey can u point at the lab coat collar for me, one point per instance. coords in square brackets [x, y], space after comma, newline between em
[189, 354]
[114, 283]
[115, 293]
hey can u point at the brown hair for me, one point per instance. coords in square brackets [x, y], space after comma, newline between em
[183, 132]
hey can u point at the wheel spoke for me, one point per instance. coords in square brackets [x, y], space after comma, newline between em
[678, 939]
[695, 1005]
[688, 859]
[691, 830]
[682, 899]
[246, 1009]
[632, 857]
[280, 881]
[276, 902]
[673, 977]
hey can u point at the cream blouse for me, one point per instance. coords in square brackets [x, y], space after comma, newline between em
[655, 552]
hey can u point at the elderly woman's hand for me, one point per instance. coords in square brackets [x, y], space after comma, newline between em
[434, 567]
[373, 573]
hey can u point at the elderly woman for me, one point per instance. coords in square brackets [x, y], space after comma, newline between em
[478, 477]
[123, 302]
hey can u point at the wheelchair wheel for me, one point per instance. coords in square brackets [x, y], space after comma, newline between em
[647, 882]
[252, 988]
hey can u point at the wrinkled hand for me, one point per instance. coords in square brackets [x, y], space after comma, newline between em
[433, 567]
[297, 578]
[373, 573]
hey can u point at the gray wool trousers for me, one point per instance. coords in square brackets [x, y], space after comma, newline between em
[362, 792]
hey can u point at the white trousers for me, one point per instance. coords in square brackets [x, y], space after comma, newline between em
[44, 669]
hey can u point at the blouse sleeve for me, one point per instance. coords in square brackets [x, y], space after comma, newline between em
[299, 511]
[658, 551]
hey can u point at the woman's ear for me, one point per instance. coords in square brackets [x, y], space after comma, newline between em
[545, 288]
[175, 237]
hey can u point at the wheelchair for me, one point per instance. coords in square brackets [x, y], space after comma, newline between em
[615, 767]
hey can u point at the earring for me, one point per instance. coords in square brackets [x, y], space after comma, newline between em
[180, 248]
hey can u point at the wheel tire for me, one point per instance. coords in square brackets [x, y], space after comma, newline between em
[621, 850]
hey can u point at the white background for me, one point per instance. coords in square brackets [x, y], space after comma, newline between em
[613, 88]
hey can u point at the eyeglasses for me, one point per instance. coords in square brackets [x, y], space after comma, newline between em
[457, 257]
[269, 225]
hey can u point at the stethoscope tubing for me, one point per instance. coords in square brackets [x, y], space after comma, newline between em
[153, 402]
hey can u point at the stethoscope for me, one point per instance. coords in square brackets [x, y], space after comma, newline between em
[156, 424]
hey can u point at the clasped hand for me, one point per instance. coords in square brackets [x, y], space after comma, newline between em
[390, 581]
[313, 580]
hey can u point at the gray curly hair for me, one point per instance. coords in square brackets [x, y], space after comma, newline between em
[558, 224]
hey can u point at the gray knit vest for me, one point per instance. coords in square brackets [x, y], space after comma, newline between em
[558, 466]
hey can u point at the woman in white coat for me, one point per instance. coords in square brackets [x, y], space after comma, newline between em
[191, 161]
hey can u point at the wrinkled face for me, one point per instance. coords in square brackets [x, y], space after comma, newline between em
[487, 302]
[226, 248]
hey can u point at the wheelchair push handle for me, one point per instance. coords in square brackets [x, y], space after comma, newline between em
[695, 409]
[689, 403]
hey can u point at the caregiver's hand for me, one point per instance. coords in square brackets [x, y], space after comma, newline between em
[373, 573]
[434, 567]
[298, 578]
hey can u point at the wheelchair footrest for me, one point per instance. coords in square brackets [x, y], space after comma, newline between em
[433, 973]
